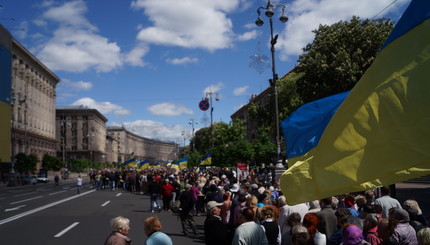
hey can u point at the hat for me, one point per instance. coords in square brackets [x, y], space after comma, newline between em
[234, 188]
[349, 201]
[254, 186]
[187, 186]
[213, 204]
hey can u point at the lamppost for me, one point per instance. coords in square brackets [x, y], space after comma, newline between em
[210, 95]
[192, 122]
[12, 174]
[273, 82]
[183, 134]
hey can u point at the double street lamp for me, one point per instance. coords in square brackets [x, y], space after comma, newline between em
[210, 95]
[269, 12]
[192, 122]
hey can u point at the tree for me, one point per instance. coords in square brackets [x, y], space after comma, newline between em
[79, 165]
[26, 163]
[51, 163]
[264, 148]
[339, 55]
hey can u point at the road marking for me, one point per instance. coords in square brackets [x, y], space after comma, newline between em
[2, 222]
[56, 192]
[26, 200]
[13, 209]
[25, 194]
[119, 194]
[106, 203]
[67, 229]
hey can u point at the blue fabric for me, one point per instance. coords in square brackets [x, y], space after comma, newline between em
[416, 13]
[303, 128]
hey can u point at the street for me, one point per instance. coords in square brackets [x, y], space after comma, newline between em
[45, 214]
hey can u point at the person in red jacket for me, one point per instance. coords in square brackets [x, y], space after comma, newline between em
[166, 193]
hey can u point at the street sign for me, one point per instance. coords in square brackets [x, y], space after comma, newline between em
[204, 105]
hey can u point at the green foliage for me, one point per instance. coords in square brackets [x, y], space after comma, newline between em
[264, 148]
[51, 163]
[79, 165]
[26, 163]
[339, 55]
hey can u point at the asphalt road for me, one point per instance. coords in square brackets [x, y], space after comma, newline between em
[44, 214]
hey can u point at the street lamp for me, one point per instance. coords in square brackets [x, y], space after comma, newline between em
[273, 82]
[183, 134]
[192, 122]
[210, 95]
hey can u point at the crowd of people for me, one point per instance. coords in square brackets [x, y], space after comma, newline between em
[254, 211]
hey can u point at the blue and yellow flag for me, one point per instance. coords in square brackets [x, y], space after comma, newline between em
[206, 160]
[130, 162]
[183, 163]
[175, 165]
[169, 164]
[379, 134]
[143, 165]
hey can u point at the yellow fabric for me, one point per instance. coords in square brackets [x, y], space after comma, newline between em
[381, 133]
[5, 139]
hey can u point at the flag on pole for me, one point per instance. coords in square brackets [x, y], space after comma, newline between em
[379, 134]
[143, 165]
[183, 163]
[175, 165]
[131, 162]
[206, 160]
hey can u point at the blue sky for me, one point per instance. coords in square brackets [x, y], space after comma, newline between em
[146, 64]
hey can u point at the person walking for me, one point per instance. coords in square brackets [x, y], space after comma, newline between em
[152, 227]
[79, 184]
[166, 193]
[120, 229]
[154, 190]
[57, 180]
[187, 203]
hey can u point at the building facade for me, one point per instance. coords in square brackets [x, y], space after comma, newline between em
[81, 133]
[243, 113]
[32, 99]
[154, 151]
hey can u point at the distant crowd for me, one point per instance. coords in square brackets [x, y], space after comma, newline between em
[254, 211]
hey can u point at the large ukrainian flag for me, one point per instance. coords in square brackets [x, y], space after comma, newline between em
[380, 134]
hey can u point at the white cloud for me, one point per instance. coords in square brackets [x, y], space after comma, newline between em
[102, 107]
[182, 61]
[307, 15]
[169, 109]
[214, 88]
[135, 56]
[247, 35]
[75, 46]
[188, 23]
[155, 130]
[75, 86]
[241, 91]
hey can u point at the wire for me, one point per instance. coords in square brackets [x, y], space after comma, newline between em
[383, 10]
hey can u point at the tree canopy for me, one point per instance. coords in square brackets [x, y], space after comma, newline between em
[339, 55]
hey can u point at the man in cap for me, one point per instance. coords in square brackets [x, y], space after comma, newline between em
[216, 232]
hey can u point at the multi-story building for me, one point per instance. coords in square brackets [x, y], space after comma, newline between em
[243, 113]
[143, 148]
[81, 133]
[32, 98]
